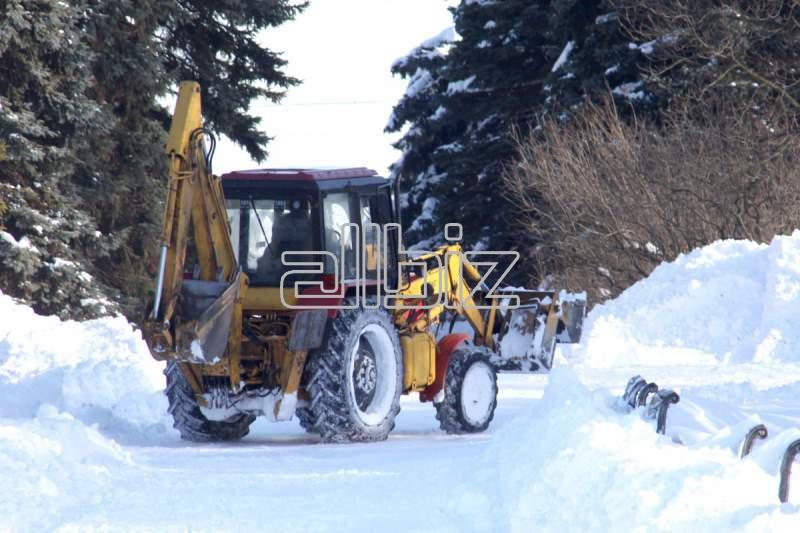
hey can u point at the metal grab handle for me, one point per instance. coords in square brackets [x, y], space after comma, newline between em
[658, 408]
[786, 470]
[759, 431]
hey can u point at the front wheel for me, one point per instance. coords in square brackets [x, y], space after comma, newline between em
[355, 378]
[189, 420]
[470, 391]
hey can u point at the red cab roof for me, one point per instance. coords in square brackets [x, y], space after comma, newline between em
[299, 174]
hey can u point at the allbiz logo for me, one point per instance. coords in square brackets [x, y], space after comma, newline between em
[361, 258]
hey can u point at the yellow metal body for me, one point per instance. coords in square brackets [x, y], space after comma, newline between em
[419, 360]
[447, 286]
[261, 357]
[450, 286]
[426, 298]
[268, 299]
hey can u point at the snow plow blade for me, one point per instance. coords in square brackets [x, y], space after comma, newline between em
[530, 331]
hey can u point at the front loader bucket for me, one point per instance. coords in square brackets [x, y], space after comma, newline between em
[530, 331]
[208, 306]
[572, 312]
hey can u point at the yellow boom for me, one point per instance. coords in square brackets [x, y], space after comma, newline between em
[195, 199]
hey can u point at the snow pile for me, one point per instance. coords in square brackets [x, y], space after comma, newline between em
[99, 371]
[53, 466]
[722, 320]
[61, 382]
[573, 463]
[729, 302]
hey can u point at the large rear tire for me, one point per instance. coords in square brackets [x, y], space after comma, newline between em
[470, 391]
[355, 378]
[189, 420]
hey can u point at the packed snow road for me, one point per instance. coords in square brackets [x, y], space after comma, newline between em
[280, 479]
[86, 443]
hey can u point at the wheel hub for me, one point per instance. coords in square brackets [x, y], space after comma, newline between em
[365, 375]
[477, 393]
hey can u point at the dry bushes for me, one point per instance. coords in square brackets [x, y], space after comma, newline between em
[605, 200]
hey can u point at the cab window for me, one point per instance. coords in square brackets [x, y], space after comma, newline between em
[371, 232]
[336, 209]
[232, 206]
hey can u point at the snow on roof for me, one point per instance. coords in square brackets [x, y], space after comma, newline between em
[303, 174]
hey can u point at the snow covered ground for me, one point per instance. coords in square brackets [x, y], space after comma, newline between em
[85, 442]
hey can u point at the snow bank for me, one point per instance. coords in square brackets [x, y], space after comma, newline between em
[729, 302]
[575, 464]
[61, 383]
[99, 371]
[53, 467]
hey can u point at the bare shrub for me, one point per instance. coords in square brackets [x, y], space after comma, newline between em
[602, 201]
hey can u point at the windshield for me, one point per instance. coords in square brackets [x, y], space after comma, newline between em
[262, 229]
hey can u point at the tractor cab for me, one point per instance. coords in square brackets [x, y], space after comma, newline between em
[321, 216]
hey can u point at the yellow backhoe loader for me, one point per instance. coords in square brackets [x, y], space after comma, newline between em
[298, 300]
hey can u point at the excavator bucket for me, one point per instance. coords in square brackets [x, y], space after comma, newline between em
[207, 307]
[529, 332]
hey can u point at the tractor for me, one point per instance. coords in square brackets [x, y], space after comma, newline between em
[288, 293]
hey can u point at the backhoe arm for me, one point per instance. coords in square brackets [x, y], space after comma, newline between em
[194, 200]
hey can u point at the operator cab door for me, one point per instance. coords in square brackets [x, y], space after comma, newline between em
[359, 255]
[380, 241]
[339, 217]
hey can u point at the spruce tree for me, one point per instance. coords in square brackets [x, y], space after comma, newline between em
[121, 173]
[87, 98]
[510, 64]
[496, 73]
[739, 50]
[422, 106]
[143, 50]
[595, 57]
[47, 242]
[489, 81]
[215, 43]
